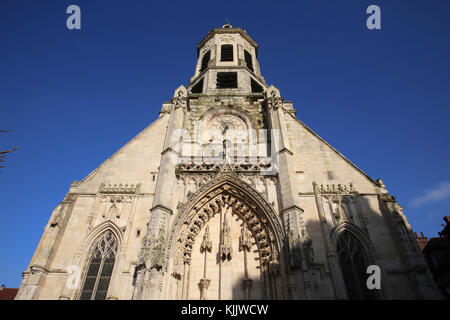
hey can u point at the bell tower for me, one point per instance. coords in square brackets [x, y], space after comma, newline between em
[227, 64]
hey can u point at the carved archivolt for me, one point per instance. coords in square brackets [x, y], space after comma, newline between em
[226, 191]
[226, 196]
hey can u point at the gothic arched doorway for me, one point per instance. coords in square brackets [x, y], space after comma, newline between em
[226, 245]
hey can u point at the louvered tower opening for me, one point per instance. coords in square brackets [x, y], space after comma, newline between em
[226, 53]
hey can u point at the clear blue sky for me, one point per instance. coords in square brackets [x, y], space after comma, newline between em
[73, 98]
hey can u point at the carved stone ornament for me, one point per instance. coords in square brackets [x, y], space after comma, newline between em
[273, 98]
[223, 194]
[206, 245]
[245, 239]
[274, 263]
[180, 99]
[339, 188]
[57, 217]
[119, 188]
[225, 248]
[211, 167]
[226, 38]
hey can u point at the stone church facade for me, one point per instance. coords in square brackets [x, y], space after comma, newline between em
[227, 195]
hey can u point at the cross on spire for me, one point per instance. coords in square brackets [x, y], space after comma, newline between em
[227, 24]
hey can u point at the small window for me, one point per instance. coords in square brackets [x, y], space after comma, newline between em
[256, 87]
[198, 88]
[205, 60]
[226, 53]
[226, 80]
[248, 60]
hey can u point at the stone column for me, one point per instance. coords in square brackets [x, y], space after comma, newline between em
[205, 247]
[153, 251]
[245, 245]
[225, 256]
[283, 162]
[409, 250]
[332, 259]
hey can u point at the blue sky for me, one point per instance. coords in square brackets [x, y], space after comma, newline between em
[73, 98]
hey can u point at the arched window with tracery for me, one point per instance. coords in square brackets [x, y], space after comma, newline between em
[100, 267]
[354, 262]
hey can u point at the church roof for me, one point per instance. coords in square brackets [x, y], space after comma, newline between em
[8, 293]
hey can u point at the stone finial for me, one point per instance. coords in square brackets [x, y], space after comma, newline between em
[227, 25]
[206, 244]
[380, 183]
[225, 249]
[75, 183]
[245, 239]
[180, 97]
[273, 92]
[180, 92]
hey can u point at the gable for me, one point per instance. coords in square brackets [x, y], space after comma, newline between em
[317, 161]
[134, 163]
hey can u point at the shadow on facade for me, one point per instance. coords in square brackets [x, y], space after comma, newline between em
[248, 289]
[353, 236]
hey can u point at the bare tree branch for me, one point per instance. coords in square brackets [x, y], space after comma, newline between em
[5, 152]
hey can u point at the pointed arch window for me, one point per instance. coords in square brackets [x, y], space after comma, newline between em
[100, 267]
[354, 262]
